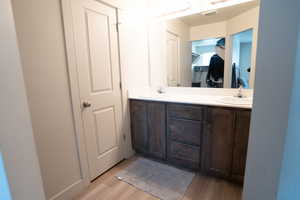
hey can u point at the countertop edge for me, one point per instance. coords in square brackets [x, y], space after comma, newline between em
[214, 104]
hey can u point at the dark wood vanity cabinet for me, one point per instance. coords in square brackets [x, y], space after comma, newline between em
[218, 142]
[148, 128]
[225, 142]
[184, 134]
[211, 139]
[139, 125]
[241, 137]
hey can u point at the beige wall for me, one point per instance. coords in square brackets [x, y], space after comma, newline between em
[41, 38]
[207, 31]
[183, 32]
[247, 20]
[157, 46]
[16, 137]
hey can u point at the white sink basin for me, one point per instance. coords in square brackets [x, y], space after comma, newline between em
[236, 100]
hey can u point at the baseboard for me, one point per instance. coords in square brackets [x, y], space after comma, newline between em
[71, 191]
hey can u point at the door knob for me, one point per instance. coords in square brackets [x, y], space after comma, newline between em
[86, 104]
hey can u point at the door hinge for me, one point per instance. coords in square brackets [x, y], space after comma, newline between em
[120, 84]
[124, 137]
[117, 26]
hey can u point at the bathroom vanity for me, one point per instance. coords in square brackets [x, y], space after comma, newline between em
[206, 138]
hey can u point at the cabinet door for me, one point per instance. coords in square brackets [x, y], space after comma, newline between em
[240, 144]
[139, 126]
[218, 142]
[157, 129]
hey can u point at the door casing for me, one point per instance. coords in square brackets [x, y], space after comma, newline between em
[75, 93]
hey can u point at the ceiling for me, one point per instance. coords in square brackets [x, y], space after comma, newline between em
[221, 15]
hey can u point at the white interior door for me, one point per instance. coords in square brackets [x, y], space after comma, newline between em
[96, 44]
[172, 60]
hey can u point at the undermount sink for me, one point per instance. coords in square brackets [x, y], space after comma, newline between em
[236, 100]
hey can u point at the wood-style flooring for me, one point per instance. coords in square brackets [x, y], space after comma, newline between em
[107, 187]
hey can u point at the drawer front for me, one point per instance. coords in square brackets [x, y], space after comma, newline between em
[186, 112]
[185, 131]
[184, 155]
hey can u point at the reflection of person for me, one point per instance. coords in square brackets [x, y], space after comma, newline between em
[215, 74]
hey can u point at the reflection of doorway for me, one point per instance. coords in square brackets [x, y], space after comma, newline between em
[241, 58]
[202, 51]
[173, 61]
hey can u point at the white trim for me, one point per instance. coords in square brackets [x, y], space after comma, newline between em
[126, 129]
[75, 96]
[70, 191]
[178, 56]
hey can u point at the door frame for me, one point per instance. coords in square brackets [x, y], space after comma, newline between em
[74, 89]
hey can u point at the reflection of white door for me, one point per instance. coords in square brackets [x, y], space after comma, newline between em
[172, 59]
[98, 73]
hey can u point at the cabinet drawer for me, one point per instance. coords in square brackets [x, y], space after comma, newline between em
[184, 155]
[186, 112]
[185, 131]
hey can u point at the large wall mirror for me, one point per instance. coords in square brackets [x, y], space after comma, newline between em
[211, 49]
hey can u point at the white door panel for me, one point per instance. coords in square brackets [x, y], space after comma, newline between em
[98, 41]
[98, 73]
[172, 60]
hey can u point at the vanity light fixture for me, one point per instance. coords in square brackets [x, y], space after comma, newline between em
[228, 2]
[210, 12]
[219, 1]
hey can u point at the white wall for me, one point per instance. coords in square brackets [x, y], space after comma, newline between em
[157, 50]
[278, 29]
[236, 50]
[245, 59]
[134, 58]
[290, 174]
[134, 49]
[16, 137]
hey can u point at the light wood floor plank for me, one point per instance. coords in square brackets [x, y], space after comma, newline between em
[108, 187]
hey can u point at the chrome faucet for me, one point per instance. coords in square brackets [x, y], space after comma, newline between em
[240, 92]
[161, 90]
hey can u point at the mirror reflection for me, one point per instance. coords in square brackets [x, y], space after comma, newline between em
[212, 49]
[208, 63]
[241, 59]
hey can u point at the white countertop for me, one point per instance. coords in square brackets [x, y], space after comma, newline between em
[209, 97]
